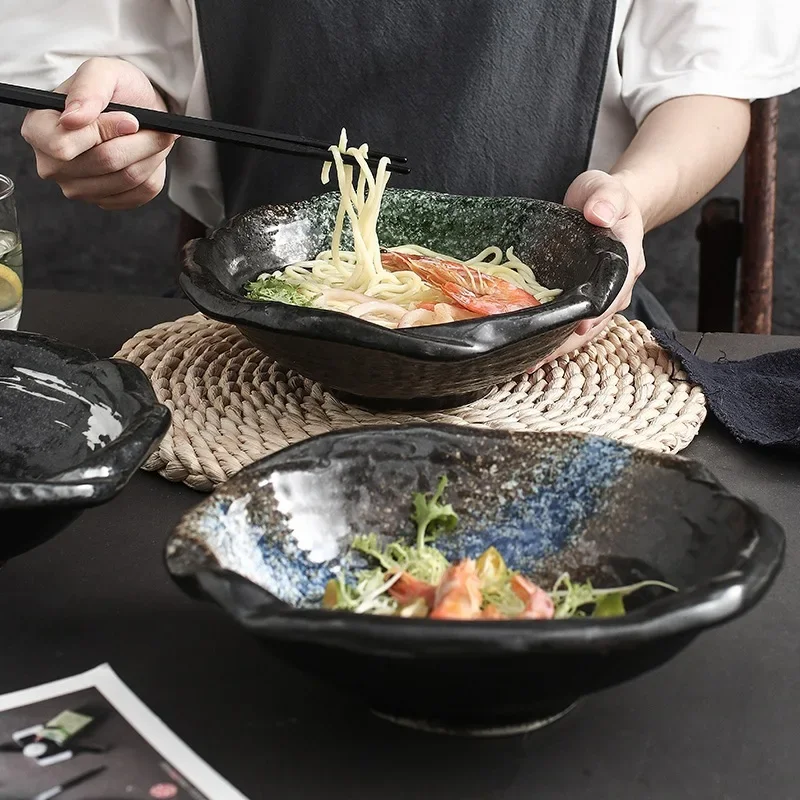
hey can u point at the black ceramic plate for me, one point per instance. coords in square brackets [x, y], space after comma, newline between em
[438, 366]
[73, 430]
[264, 544]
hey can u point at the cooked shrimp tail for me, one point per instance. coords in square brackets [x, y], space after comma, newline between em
[458, 596]
[408, 589]
[538, 604]
[468, 287]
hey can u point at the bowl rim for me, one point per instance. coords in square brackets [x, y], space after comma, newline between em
[707, 605]
[449, 342]
[103, 474]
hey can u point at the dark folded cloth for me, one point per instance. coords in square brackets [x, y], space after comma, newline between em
[757, 400]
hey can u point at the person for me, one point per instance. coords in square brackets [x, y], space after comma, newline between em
[630, 111]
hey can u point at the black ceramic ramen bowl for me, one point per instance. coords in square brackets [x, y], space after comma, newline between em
[264, 545]
[73, 430]
[427, 367]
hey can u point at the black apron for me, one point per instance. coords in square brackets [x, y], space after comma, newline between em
[486, 97]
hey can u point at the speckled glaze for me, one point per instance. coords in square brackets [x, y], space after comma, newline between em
[429, 367]
[264, 544]
[73, 430]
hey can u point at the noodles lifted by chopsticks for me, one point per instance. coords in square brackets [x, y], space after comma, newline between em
[403, 286]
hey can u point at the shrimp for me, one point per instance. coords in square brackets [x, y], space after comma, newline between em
[446, 312]
[417, 317]
[538, 604]
[418, 608]
[492, 612]
[468, 287]
[408, 589]
[434, 314]
[458, 596]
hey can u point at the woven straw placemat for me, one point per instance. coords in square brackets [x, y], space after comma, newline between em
[232, 405]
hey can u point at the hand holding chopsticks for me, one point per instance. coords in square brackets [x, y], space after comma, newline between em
[197, 128]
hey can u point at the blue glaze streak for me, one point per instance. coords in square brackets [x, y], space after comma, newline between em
[539, 521]
[290, 576]
[541, 514]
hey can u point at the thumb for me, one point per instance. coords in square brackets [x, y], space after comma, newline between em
[89, 91]
[606, 205]
[116, 123]
[602, 198]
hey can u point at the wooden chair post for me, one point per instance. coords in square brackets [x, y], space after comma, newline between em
[758, 244]
[724, 238]
[720, 237]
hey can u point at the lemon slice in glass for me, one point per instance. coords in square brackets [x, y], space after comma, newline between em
[10, 288]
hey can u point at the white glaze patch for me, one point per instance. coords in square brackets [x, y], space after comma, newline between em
[321, 541]
[16, 385]
[103, 422]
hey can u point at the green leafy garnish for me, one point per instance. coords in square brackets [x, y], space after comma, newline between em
[417, 559]
[495, 578]
[431, 516]
[610, 605]
[370, 594]
[572, 599]
[425, 563]
[368, 545]
[270, 288]
[367, 596]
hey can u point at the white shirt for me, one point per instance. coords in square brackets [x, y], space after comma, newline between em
[660, 49]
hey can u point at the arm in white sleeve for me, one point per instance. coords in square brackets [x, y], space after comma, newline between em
[743, 49]
[45, 41]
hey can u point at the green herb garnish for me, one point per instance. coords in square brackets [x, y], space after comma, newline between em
[270, 288]
[495, 577]
[572, 599]
[424, 563]
[431, 516]
[368, 594]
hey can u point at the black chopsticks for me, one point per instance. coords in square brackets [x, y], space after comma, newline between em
[196, 128]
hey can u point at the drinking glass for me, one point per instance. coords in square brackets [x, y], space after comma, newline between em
[10, 258]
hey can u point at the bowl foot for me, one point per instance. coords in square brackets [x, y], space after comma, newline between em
[440, 403]
[477, 730]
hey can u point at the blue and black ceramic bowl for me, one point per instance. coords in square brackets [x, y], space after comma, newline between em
[73, 430]
[263, 546]
[428, 367]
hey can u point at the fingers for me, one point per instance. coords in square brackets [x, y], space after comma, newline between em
[136, 197]
[99, 189]
[570, 345]
[89, 91]
[606, 202]
[106, 158]
[45, 134]
[587, 329]
[98, 156]
[590, 327]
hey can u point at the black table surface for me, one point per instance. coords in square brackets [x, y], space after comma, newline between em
[719, 721]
